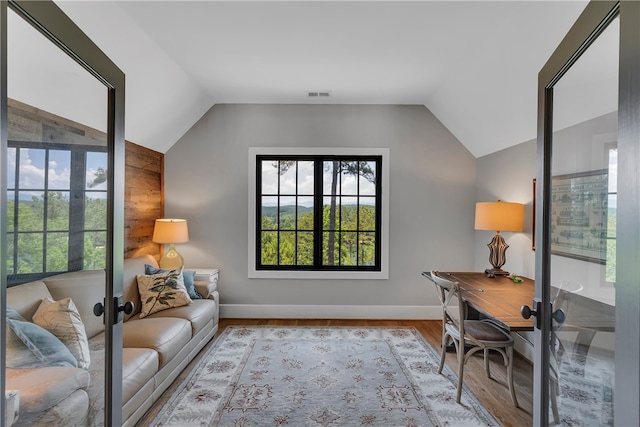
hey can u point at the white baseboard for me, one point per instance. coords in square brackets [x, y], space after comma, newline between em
[259, 311]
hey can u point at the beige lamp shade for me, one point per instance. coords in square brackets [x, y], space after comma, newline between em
[499, 216]
[170, 231]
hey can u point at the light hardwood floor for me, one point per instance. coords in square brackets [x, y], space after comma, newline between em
[492, 393]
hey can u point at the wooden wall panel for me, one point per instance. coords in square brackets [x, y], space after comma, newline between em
[144, 199]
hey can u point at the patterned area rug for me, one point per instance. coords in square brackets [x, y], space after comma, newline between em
[309, 376]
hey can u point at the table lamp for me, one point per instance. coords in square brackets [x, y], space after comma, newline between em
[498, 216]
[171, 231]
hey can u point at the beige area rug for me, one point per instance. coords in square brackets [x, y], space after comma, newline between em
[320, 376]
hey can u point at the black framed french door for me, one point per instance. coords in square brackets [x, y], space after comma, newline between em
[49, 180]
[587, 298]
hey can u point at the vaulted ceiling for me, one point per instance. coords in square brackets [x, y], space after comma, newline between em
[474, 64]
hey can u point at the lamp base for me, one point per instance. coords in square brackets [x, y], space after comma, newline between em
[172, 260]
[493, 272]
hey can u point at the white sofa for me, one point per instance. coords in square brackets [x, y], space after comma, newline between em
[156, 349]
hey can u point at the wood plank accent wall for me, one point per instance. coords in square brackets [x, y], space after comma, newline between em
[144, 170]
[144, 199]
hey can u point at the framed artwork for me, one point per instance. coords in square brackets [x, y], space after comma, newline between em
[579, 215]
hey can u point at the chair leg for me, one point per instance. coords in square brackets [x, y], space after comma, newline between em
[486, 362]
[510, 376]
[460, 354]
[443, 352]
[554, 401]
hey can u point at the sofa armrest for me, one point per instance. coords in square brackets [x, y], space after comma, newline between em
[206, 282]
[207, 289]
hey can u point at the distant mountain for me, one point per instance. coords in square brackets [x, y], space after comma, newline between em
[272, 211]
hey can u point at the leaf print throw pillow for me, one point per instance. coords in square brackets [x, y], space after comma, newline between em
[161, 291]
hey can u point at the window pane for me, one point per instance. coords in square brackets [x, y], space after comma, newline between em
[95, 250]
[10, 247]
[305, 248]
[305, 178]
[96, 172]
[95, 211]
[11, 167]
[57, 211]
[30, 249]
[32, 168]
[330, 213]
[10, 210]
[348, 248]
[305, 213]
[287, 248]
[288, 171]
[349, 178]
[30, 211]
[367, 178]
[367, 215]
[366, 248]
[330, 248]
[269, 212]
[287, 213]
[269, 243]
[349, 213]
[331, 178]
[269, 177]
[57, 251]
[59, 170]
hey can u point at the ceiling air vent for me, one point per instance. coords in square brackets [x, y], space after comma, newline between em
[319, 94]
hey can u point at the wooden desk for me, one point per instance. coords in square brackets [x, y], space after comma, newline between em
[500, 299]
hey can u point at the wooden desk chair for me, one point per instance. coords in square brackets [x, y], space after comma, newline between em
[475, 334]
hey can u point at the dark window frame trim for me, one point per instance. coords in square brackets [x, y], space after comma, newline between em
[318, 196]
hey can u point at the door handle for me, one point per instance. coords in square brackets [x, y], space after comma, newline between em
[127, 308]
[527, 312]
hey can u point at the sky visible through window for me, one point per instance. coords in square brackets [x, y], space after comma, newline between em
[32, 171]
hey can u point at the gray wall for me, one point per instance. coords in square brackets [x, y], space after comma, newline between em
[432, 195]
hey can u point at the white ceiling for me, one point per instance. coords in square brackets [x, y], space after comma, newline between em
[474, 64]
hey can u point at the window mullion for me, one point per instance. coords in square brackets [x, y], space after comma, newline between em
[76, 210]
[318, 167]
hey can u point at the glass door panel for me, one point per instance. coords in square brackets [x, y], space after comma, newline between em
[57, 161]
[582, 219]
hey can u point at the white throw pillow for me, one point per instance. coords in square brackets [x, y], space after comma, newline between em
[62, 319]
[161, 291]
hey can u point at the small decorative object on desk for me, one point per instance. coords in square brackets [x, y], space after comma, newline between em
[516, 278]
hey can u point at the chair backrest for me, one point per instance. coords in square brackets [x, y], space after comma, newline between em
[453, 308]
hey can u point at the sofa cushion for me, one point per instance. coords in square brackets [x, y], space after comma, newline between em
[161, 291]
[166, 335]
[133, 267]
[199, 313]
[62, 319]
[31, 346]
[42, 388]
[139, 365]
[188, 275]
[87, 288]
[25, 298]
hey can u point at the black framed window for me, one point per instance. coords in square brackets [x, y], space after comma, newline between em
[318, 212]
[56, 209]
